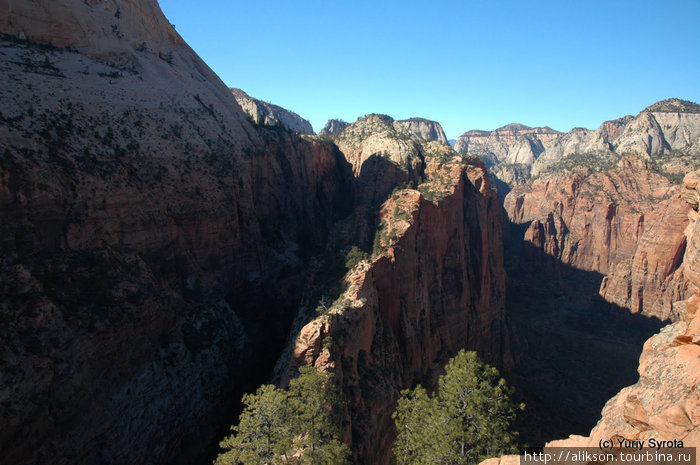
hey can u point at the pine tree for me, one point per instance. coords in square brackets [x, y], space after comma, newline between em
[467, 421]
[290, 427]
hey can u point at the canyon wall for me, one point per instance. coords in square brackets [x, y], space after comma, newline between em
[434, 285]
[664, 404]
[625, 223]
[511, 144]
[154, 242]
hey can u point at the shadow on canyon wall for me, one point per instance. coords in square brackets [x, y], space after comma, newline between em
[573, 350]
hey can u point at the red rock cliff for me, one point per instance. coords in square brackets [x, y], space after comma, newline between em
[140, 217]
[665, 403]
[625, 223]
[435, 285]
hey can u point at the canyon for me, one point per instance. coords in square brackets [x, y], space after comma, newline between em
[169, 243]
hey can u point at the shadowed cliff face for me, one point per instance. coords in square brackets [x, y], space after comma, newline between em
[153, 241]
[664, 403]
[434, 285]
[157, 246]
[625, 223]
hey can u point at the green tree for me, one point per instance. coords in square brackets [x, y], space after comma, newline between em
[467, 421]
[355, 256]
[290, 427]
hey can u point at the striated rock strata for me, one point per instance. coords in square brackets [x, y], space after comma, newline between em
[667, 132]
[625, 223]
[664, 404]
[423, 128]
[435, 284]
[511, 144]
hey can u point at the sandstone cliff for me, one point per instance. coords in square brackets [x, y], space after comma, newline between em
[423, 128]
[659, 132]
[141, 214]
[511, 144]
[404, 143]
[333, 127]
[435, 284]
[664, 403]
[625, 223]
[385, 154]
[269, 114]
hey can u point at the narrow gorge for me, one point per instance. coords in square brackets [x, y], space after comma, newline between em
[168, 243]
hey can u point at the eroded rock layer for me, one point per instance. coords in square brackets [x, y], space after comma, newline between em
[434, 285]
[625, 223]
[667, 132]
[665, 402]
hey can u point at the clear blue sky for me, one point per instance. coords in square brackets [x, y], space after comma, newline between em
[466, 64]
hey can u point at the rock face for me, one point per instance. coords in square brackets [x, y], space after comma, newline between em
[423, 128]
[435, 284]
[625, 223]
[662, 127]
[107, 29]
[384, 154]
[594, 208]
[376, 135]
[156, 245]
[267, 113]
[333, 127]
[660, 131]
[664, 403]
[511, 144]
[141, 215]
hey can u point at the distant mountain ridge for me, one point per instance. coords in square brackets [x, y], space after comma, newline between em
[661, 129]
[423, 128]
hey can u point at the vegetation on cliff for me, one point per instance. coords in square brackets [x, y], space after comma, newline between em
[467, 421]
[292, 427]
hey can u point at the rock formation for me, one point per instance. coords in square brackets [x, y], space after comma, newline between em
[664, 403]
[625, 223]
[435, 284]
[141, 214]
[423, 128]
[156, 244]
[109, 30]
[517, 152]
[604, 201]
[333, 127]
[267, 113]
[511, 144]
